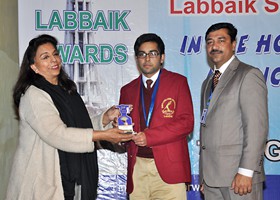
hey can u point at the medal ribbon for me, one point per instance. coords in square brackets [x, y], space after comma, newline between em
[152, 105]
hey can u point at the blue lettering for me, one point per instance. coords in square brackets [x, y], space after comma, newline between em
[241, 49]
[195, 45]
[274, 80]
[273, 77]
[264, 42]
[183, 46]
[277, 44]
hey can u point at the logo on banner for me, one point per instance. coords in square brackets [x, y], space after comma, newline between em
[272, 150]
[168, 107]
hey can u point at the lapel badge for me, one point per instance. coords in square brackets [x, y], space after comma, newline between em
[168, 107]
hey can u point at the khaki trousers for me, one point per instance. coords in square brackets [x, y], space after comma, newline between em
[148, 184]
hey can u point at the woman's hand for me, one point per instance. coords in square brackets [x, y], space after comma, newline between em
[113, 135]
[111, 114]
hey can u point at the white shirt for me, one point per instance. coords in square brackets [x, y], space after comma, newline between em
[153, 78]
[223, 68]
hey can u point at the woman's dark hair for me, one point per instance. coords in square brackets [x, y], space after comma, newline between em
[149, 37]
[232, 31]
[27, 76]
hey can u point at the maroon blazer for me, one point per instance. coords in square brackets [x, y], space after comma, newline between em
[170, 124]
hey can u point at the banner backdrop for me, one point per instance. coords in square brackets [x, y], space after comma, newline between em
[96, 45]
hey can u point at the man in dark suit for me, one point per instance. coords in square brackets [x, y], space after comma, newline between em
[234, 122]
[158, 158]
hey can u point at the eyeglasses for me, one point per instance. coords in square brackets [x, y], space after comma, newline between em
[151, 54]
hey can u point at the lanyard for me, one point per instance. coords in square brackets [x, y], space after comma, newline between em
[205, 110]
[152, 105]
[209, 99]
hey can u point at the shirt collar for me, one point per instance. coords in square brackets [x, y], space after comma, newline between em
[223, 68]
[153, 78]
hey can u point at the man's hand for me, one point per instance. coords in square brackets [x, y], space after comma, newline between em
[140, 139]
[241, 184]
[202, 188]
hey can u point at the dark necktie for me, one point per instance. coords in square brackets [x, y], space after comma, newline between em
[216, 78]
[149, 83]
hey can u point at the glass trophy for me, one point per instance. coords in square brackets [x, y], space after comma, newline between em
[125, 121]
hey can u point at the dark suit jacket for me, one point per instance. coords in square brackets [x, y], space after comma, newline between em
[171, 122]
[236, 127]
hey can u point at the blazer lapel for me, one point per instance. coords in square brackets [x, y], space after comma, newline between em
[135, 100]
[161, 87]
[224, 80]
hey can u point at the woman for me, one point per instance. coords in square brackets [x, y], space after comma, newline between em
[56, 153]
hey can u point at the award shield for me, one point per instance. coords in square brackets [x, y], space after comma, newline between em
[125, 121]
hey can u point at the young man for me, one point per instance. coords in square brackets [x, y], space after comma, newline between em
[234, 122]
[158, 158]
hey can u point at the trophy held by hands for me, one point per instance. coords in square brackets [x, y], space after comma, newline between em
[125, 121]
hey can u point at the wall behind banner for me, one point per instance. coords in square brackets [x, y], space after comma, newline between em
[96, 41]
[8, 74]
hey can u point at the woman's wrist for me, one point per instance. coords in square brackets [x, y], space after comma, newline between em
[97, 135]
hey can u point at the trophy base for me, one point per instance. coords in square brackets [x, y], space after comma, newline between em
[127, 128]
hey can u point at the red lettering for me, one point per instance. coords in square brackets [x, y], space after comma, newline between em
[217, 3]
[200, 9]
[189, 9]
[250, 6]
[240, 6]
[220, 6]
[172, 9]
[231, 7]
[275, 6]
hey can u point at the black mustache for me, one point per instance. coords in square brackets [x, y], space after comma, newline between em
[216, 51]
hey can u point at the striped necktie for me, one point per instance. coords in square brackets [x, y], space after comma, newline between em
[149, 83]
[216, 78]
